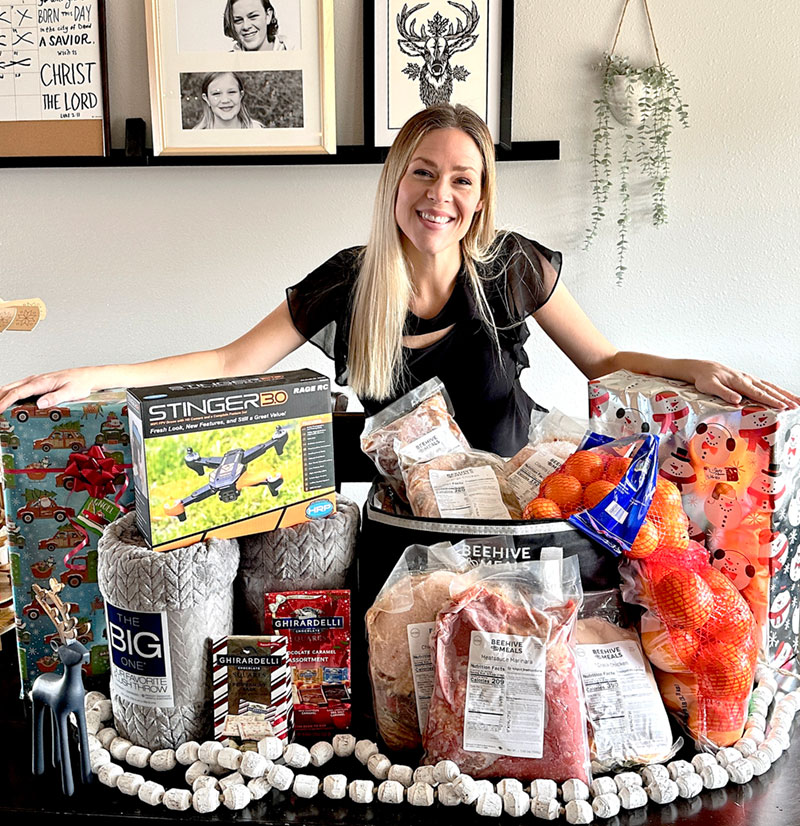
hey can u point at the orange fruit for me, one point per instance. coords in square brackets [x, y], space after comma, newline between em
[685, 644]
[683, 599]
[541, 509]
[672, 534]
[545, 481]
[565, 490]
[668, 491]
[731, 620]
[596, 492]
[585, 466]
[616, 468]
[645, 543]
[724, 670]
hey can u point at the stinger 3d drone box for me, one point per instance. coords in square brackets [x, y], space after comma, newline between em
[231, 457]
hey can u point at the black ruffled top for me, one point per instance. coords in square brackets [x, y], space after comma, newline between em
[488, 401]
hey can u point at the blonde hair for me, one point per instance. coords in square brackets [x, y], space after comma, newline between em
[384, 288]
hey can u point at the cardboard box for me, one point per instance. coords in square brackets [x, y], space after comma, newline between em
[317, 625]
[53, 503]
[738, 469]
[231, 457]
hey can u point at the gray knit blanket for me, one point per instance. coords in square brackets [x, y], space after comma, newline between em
[194, 586]
[312, 555]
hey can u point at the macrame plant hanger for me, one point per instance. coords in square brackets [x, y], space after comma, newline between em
[649, 24]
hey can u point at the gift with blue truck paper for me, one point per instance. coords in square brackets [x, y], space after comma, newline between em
[65, 476]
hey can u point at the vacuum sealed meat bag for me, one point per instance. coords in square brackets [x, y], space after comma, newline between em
[507, 698]
[420, 423]
[465, 485]
[399, 625]
[628, 724]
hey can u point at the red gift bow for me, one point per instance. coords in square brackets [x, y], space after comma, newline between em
[93, 471]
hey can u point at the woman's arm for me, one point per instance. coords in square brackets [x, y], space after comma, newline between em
[267, 343]
[591, 352]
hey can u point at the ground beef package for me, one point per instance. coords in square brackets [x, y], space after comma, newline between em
[507, 696]
[317, 624]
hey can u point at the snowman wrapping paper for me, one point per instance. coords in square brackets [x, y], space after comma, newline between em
[738, 470]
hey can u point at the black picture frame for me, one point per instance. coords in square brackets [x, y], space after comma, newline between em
[505, 80]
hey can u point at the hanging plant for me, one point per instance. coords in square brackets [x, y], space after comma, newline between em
[643, 103]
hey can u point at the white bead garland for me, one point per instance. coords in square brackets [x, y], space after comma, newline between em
[447, 795]
[606, 805]
[390, 791]
[402, 774]
[306, 785]
[489, 804]
[516, 802]
[420, 794]
[334, 786]
[254, 773]
[579, 811]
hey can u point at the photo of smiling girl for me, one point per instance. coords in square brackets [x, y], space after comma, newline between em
[253, 26]
[224, 106]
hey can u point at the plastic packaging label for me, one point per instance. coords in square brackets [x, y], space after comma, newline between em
[525, 480]
[471, 493]
[437, 442]
[504, 707]
[139, 644]
[619, 700]
[419, 646]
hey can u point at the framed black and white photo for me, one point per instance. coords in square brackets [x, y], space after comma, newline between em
[439, 51]
[241, 76]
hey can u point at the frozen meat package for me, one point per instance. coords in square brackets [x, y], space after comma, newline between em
[507, 696]
[399, 625]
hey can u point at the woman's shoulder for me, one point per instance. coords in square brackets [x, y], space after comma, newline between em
[283, 43]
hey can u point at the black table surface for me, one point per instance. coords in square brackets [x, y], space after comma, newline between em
[770, 800]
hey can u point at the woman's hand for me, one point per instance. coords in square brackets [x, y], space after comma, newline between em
[733, 385]
[52, 388]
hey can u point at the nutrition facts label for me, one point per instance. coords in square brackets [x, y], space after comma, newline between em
[50, 60]
[317, 446]
[504, 709]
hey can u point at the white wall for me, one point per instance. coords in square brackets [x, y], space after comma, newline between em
[137, 263]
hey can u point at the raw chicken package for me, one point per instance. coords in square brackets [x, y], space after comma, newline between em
[628, 724]
[738, 470]
[507, 697]
[399, 625]
[420, 423]
[469, 484]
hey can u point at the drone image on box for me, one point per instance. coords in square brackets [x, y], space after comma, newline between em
[230, 474]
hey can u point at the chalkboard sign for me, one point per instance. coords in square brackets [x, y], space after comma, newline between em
[53, 88]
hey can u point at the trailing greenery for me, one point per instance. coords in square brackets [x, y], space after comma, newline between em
[648, 141]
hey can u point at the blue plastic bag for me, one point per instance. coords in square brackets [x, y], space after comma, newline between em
[615, 521]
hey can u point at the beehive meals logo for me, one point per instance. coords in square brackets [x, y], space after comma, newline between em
[232, 403]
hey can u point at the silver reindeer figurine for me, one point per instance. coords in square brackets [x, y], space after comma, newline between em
[62, 693]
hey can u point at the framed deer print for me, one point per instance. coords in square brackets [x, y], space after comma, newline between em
[232, 77]
[440, 51]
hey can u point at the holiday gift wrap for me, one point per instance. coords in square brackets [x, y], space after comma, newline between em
[738, 470]
[65, 474]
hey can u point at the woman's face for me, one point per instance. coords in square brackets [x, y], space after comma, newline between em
[250, 21]
[440, 192]
[225, 98]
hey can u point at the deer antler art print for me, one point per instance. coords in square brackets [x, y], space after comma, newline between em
[438, 39]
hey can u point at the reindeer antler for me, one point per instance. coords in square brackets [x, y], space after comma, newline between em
[56, 610]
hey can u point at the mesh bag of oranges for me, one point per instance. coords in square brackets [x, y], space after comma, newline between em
[603, 489]
[698, 632]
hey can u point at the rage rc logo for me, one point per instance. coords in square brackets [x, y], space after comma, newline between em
[319, 509]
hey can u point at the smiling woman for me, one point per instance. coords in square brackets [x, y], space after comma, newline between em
[436, 291]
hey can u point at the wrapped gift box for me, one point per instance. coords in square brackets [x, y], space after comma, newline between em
[738, 469]
[64, 473]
